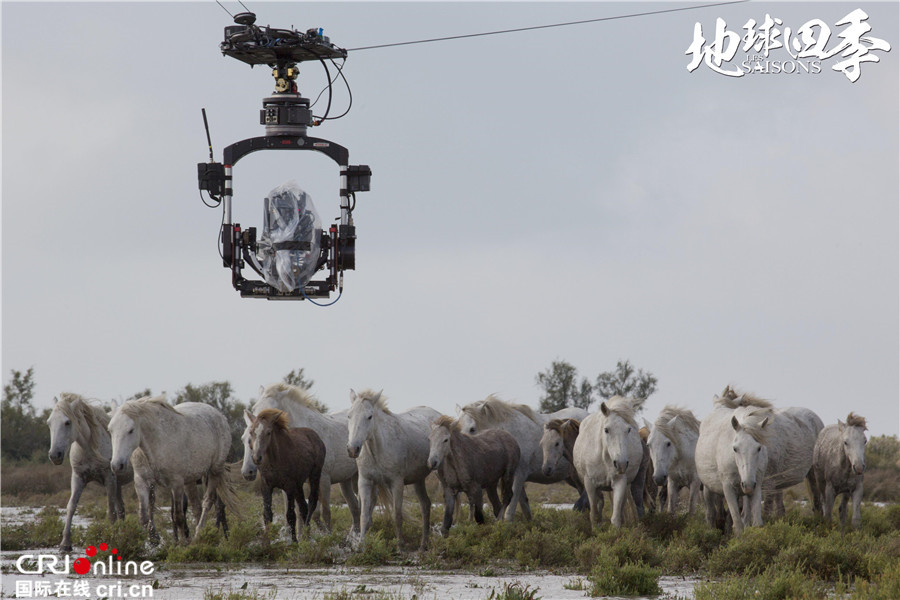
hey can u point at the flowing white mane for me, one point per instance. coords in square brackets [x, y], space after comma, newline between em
[87, 416]
[624, 408]
[684, 423]
[292, 393]
[146, 407]
[731, 399]
[377, 399]
[493, 410]
[752, 420]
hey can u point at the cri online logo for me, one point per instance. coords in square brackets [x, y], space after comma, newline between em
[49, 563]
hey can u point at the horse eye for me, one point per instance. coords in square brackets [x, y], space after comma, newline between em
[735, 448]
[556, 444]
[68, 423]
[629, 430]
[759, 449]
[446, 440]
[472, 430]
[668, 444]
[370, 417]
[131, 430]
[606, 430]
[846, 443]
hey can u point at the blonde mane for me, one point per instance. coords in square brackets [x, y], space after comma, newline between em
[854, 420]
[448, 422]
[377, 399]
[731, 399]
[147, 407]
[293, 393]
[278, 419]
[87, 416]
[751, 419]
[563, 426]
[686, 421]
[493, 410]
[624, 408]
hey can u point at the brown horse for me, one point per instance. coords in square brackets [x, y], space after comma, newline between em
[470, 463]
[286, 458]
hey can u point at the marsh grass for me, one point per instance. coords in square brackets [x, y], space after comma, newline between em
[629, 579]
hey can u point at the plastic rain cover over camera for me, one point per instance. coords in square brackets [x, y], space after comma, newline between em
[290, 244]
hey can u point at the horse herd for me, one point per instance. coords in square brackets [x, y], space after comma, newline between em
[744, 453]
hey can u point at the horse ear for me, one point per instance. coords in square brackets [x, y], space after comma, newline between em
[604, 409]
[433, 424]
[378, 396]
[739, 400]
[458, 409]
[672, 421]
[840, 425]
[353, 396]
[648, 425]
[55, 399]
[764, 422]
[734, 424]
[248, 417]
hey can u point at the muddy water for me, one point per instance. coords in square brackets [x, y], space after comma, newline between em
[175, 582]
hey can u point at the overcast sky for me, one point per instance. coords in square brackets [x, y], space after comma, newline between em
[563, 194]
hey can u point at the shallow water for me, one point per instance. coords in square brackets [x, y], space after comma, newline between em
[192, 581]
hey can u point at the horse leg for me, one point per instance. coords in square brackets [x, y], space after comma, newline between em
[425, 505]
[476, 502]
[842, 509]
[352, 502]
[618, 501]
[496, 505]
[828, 500]
[323, 493]
[289, 515]
[449, 506]
[672, 493]
[731, 499]
[146, 498]
[266, 492]
[595, 500]
[694, 495]
[120, 504]
[77, 486]
[315, 487]
[209, 497]
[815, 493]
[179, 521]
[856, 521]
[396, 492]
[366, 505]
[194, 501]
[221, 517]
[637, 492]
[756, 506]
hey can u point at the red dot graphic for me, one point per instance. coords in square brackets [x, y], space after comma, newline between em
[103, 547]
[114, 551]
[82, 566]
[90, 551]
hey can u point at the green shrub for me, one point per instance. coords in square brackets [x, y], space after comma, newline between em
[127, 536]
[771, 584]
[515, 591]
[376, 551]
[629, 579]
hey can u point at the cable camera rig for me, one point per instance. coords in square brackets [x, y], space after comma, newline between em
[286, 116]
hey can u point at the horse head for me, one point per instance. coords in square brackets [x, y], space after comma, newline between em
[248, 467]
[853, 439]
[750, 453]
[61, 433]
[361, 420]
[125, 435]
[553, 447]
[439, 441]
[617, 428]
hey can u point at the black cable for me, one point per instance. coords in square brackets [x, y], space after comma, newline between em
[340, 70]
[327, 78]
[225, 9]
[327, 87]
[218, 201]
[532, 28]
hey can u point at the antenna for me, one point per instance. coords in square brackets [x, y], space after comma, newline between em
[208, 139]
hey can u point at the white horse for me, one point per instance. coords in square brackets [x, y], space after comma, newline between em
[391, 451]
[608, 454]
[172, 446]
[528, 428]
[332, 428]
[81, 424]
[839, 461]
[672, 441]
[747, 447]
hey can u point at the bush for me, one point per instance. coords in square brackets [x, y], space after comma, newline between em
[771, 584]
[629, 579]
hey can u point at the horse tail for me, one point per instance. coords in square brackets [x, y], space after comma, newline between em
[386, 499]
[227, 488]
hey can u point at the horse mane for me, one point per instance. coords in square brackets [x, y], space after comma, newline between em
[494, 410]
[854, 420]
[731, 399]
[87, 415]
[278, 419]
[376, 398]
[448, 422]
[293, 393]
[750, 418]
[686, 421]
[146, 407]
[624, 408]
[563, 426]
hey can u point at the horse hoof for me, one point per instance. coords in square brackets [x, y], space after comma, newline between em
[65, 548]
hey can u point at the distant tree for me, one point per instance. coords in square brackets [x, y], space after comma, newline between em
[298, 379]
[562, 388]
[218, 394]
[141, 394]
[23, 433]
[625, 381]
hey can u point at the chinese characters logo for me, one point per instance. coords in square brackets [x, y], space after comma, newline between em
[807, 47]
